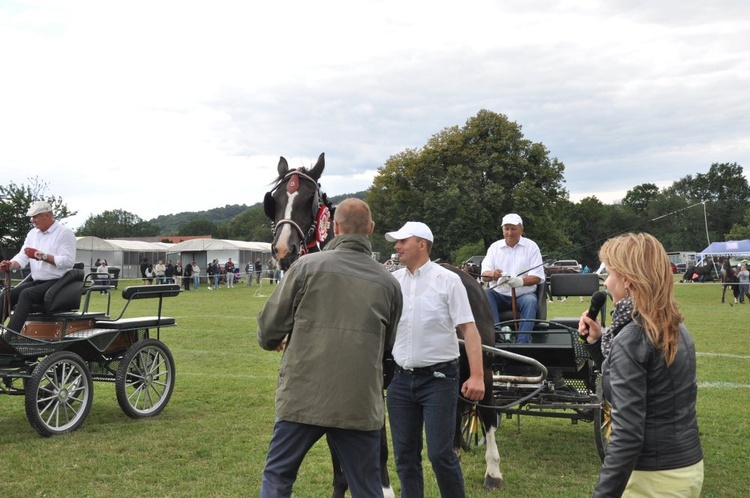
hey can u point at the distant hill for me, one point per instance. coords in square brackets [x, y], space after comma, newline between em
[170, 224]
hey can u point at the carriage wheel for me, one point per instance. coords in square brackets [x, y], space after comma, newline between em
[59, 394]
[602, 421]
[145, 379]
[472, 428]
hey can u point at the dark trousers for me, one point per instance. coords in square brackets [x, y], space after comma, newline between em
[359, 452]
[23, 296]
[425, 399]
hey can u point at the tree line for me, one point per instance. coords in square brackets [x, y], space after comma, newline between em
[461, 183]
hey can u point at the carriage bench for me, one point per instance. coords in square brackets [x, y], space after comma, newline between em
[557, 349]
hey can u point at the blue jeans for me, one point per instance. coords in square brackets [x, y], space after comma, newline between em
[359, 452]
[421, 399]
[526, 304]
[196, 282]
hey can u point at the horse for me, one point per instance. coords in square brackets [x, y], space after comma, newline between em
[728, 279]
[302, 221]
[702, 273]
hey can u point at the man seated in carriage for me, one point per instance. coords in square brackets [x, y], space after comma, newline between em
[50, 250]
[517, 262]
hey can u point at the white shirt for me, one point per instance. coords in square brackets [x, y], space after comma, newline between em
[59, 241]
[435, 303]
[523, 257]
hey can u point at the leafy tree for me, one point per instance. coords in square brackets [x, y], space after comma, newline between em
[726, 193]
[639, 198]
[15, 201]
[252, 225]
[741, 231]
[465, 179]
[201, 226]
[117, 224]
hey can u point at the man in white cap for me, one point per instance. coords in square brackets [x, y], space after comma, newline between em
[50, 251]
[424, 389]
[517, 263]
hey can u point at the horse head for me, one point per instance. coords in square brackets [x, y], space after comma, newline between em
[300, 212]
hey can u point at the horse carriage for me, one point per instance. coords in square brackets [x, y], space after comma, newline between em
[54, 359]
[553, 375]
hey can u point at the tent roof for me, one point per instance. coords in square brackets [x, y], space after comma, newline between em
[139, 245]
[90, 243]
[728, 248]
[194, 245]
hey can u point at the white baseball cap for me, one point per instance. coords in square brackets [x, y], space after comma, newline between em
[39, 208]
[512, 219]
[410, 229]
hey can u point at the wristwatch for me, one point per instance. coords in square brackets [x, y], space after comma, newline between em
[43, 257]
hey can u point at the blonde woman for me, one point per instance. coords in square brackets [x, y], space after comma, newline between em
[648, 377]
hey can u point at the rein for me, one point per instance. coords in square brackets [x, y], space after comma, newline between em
[6, 298]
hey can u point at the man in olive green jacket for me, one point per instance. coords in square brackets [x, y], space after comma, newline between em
[336, 313]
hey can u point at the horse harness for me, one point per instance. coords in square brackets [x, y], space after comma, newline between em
[321, 209]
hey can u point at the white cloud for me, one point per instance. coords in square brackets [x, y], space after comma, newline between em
[162, 107]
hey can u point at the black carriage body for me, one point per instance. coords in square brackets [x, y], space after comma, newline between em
[96, 347]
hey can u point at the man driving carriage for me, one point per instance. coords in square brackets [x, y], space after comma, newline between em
[517, 262]
[50, 250]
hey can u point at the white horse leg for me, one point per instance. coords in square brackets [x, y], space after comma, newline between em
[493, 478]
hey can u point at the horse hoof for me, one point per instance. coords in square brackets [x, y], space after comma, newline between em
[491, 483]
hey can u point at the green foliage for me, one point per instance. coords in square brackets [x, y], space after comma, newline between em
[465, 179]
[171, 224]
[726, 192]
[201, 226]
[251, 225]
[15, 201]
[741, 231]
[466, 251]
[116, 224]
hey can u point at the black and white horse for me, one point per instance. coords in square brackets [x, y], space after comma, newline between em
[729, 279]
[302, 220]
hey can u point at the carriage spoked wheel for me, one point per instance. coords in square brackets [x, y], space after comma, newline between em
[145, 379]
[472, 428]
[59, 394]
[602, 421]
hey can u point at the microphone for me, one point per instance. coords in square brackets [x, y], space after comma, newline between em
[598, 300]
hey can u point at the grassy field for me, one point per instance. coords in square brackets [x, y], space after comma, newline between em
[212, 438]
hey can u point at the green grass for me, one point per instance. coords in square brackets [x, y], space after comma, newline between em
[212, 438]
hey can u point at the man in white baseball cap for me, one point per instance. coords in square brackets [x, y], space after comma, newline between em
[518, 261]
[422, 394]
[50, 251]
[410, 229]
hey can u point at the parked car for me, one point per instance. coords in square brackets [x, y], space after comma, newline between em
[562, 266]
[473, 266]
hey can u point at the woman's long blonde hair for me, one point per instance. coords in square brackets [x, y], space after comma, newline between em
[642, 260]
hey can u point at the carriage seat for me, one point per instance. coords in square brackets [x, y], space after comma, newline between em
[64, 295]
[575, 284]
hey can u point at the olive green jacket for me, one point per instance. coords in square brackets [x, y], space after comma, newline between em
[340, 309]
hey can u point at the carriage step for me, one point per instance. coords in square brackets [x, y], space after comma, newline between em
[144, 322]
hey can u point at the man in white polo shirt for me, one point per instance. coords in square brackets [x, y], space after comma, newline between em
[50, 251]
[517, 263]
[424, 389]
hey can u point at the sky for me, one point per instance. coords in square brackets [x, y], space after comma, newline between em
[160, 107]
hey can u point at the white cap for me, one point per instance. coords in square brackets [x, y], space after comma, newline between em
[511, 219]
[410, 229]
[39, 208]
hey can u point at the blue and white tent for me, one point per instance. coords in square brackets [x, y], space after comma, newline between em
[739, 249]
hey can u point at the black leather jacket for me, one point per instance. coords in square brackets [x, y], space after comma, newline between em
[654, 426]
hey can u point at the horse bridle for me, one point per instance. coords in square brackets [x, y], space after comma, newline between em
[292, 182]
